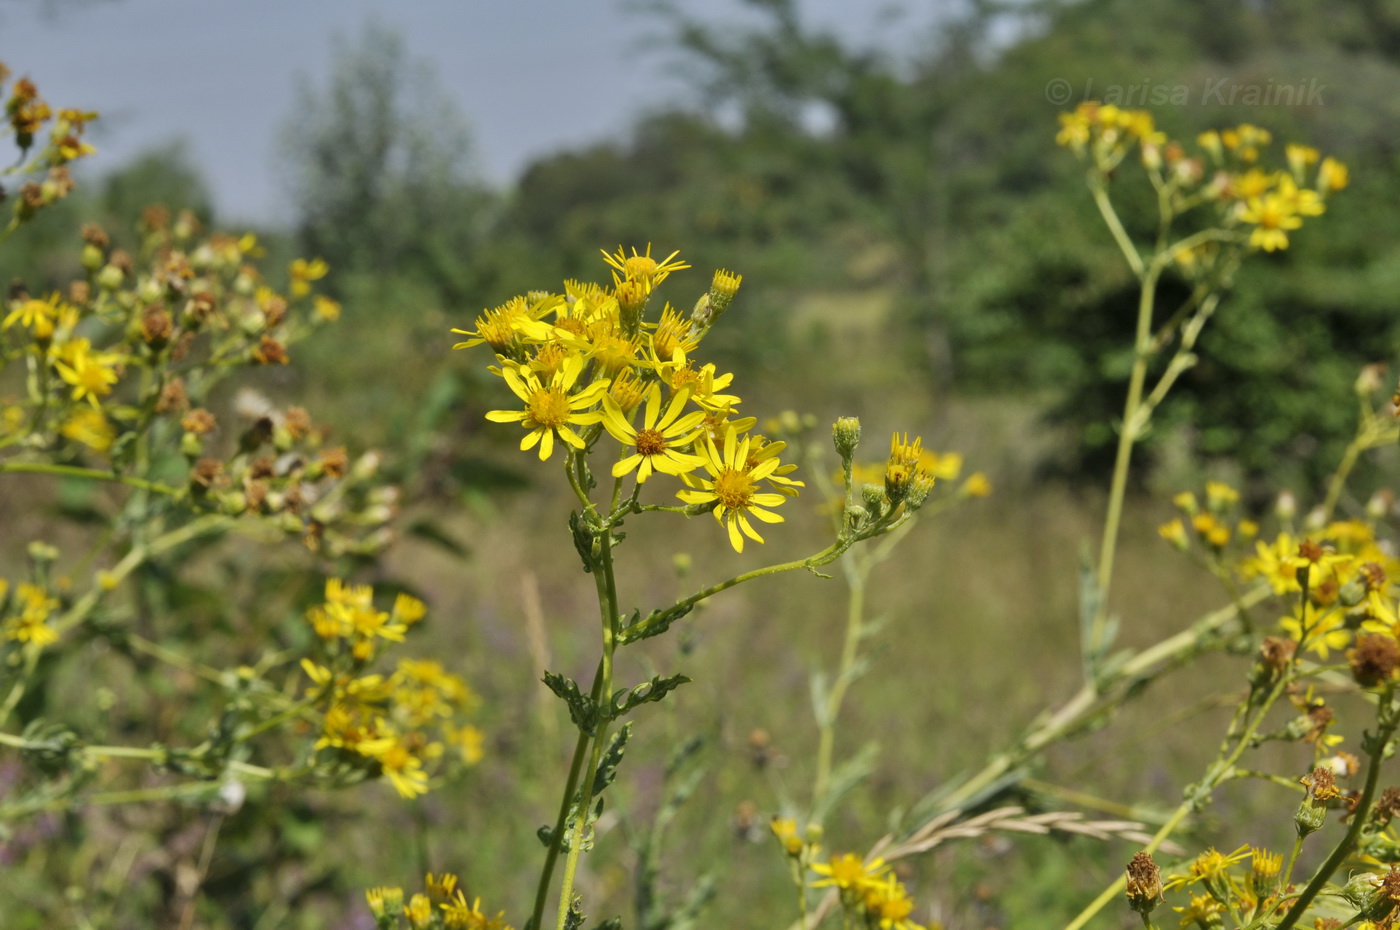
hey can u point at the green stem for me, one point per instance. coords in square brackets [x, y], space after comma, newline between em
[1127, 437]
[556, 838]
[606, 581]
[855, 611]
[1344, 848]
[1115, 225]
[91, 474]
[825, 557]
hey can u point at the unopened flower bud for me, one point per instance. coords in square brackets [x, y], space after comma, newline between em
[1286, 507]
[1361, 890]
[110, 277]
[845, 433]
[92, 257]
[874, 498]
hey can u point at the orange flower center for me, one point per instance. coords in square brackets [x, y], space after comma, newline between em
[650, 442]
[549, 407]
[733, 489]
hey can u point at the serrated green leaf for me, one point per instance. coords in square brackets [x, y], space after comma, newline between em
[582, 711]
[649, 692]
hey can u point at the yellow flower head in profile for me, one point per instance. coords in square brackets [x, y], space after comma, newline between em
[550, 409]
[642, 267]
[661, 436]
[733, 488]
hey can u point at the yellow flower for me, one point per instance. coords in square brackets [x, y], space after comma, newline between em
[1203, 911]
[642, 267]
[1271, 214]
[703, 382]
[1174, 532]
[733, 488]
[671, 334]
[399, 758]
[384, 901]
[419, 912]
[551, 410]
[1272, 563]
[1321, 634]
[1074, 129]
[31, 624]
[90, 428]
[977, 485]
[469, 740]
[304, 272]
[659, 438]
[37, 315]
[849, 872]
[503, 327]
[889, 903]
[785, 829]
[92, 374]
[1332, 175]
[326, 308]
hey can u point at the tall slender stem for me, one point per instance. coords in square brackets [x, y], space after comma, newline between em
[557, 837]
[607, 602]
[855, 614]
[1127, 437]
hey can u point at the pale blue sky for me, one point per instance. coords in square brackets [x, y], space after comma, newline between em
[531, 76]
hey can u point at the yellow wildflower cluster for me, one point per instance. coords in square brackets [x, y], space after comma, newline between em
[440, 906]
[1226, 170]
[26, 116]
[1214, 526]
[25, 614]
[396, 725]
[911, 472]
[870, 893]
[1347, 575]
[132, 352]
[1250, 885]
[591, 361]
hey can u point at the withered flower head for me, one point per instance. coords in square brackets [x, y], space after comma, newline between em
[1374, 659]
[206, 472]
[95, 235]
[298, 422]
[1144, 883]
[198, 421]
[334, 462]
[172, 396]
[1321, 784]
[156, 326]
[270, 352]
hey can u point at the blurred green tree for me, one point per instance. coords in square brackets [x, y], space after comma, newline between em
[380, 169]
